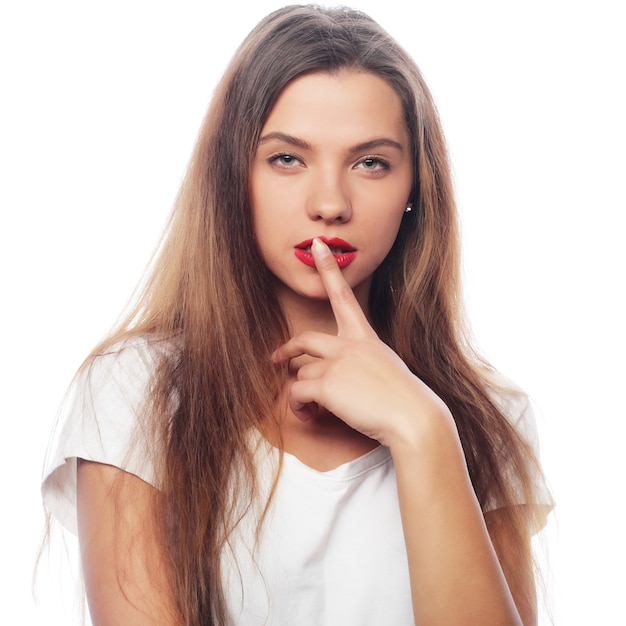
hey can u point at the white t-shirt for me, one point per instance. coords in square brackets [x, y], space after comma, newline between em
[331, 551]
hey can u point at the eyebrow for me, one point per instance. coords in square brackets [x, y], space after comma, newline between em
[305, 145]
[294, 141]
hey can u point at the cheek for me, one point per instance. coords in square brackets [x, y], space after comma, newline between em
[391, 231]
[382, 235]
[260, 205]
[260, 230]
[387, 230]
[268, 205]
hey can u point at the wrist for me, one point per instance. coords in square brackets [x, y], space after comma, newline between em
[421, 426]
[429, 443]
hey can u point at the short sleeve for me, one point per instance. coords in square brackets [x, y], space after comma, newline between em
[100, 421]
[517, 407]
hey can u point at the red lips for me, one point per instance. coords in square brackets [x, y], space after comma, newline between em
[343, 252]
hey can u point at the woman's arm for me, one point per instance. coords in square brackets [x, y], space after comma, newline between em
[456, 577]
[517, 564]
[125, 575]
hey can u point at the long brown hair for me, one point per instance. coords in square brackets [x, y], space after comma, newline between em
[209, 293]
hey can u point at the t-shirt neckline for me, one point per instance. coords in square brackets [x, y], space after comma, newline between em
[344, 472]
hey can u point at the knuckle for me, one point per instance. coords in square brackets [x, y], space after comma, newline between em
[306, 337]
[325, 386]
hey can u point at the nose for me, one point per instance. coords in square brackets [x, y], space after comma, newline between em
[329, 199]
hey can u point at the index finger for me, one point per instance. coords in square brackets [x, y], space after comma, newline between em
[347, 310]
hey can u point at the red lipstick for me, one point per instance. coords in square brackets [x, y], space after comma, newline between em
[343, 252]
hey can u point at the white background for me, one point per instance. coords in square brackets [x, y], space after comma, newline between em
[99, 107]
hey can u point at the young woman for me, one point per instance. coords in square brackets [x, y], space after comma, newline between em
[289, 427]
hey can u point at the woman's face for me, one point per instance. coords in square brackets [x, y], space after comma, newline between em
[333, 161]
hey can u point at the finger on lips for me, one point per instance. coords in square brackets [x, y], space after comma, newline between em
[348, 312]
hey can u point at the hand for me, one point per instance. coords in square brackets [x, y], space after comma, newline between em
[354, 375]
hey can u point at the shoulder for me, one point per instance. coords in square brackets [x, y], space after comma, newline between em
[515, 404]
[102, 420]
[127, 362]
[114, 384]
[517, 407]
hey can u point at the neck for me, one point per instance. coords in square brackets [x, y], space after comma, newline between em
[306, 314]
[311, 314]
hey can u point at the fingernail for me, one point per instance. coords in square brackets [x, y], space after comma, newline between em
[319, 247]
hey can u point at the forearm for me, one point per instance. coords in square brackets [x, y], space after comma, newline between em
[455, 574]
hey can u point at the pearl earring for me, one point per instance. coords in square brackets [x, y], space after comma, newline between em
[409, 207]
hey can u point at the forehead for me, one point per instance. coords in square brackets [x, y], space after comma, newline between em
[348, 105]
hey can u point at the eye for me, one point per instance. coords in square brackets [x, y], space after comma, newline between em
[284, 160]
[373, 164]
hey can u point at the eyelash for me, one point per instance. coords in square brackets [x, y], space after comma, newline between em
[276, 161]
[382, 162]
